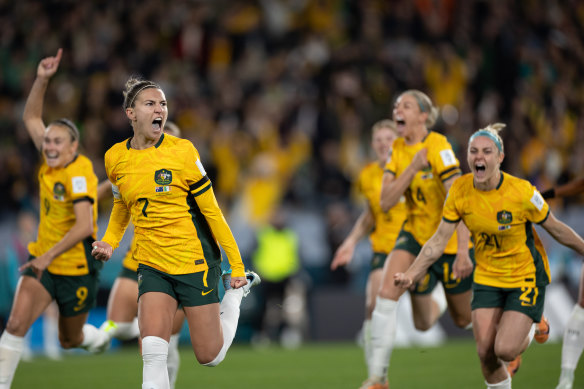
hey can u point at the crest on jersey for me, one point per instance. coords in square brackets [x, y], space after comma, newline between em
[504, 217]
[59, 191]
[163, 177]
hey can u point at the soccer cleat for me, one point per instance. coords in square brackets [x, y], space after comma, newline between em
[252, 280]
[542, 331]
[374, 383]
[513, 366]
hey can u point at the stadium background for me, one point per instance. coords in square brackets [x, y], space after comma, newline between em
[279, 96]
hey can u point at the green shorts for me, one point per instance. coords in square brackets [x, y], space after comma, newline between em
[74, 294]
[378, 261]
[188, 290]
[128, 273]
[441, 270]
[529, 301]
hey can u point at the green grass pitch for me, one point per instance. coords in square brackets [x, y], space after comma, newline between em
[320, 365]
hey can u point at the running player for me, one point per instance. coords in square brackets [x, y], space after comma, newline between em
[60, 267]
[573, 343]
[512, 269]
[422, 167]
[159, 181]
[382, 227]
[122, 305]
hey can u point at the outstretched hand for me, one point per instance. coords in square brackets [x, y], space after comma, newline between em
[49, 65]
[343, 255]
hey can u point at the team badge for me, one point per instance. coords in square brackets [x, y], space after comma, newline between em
[427, 173]
[59, 191]
[504, 217]
[163, 177]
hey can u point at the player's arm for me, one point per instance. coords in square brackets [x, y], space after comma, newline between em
[33, 109]
[82, 229]
[392, 188]
[205, 198]
[104, 190]
[118, 222]
[563, 233]
[462, 266]
[571, 188]
[362, 227]
[430, 252]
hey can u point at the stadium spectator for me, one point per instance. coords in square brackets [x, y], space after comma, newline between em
[159, 181]
[59, 267]
[512, 269]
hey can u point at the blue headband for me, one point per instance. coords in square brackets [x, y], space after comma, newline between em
[422, 109]
[488, 135]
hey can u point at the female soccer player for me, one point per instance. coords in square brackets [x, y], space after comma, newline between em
[382, 227]
[60, 266]
[159, 181]
[573, 343]
[512, 269]
[422, 167]
[122, 305]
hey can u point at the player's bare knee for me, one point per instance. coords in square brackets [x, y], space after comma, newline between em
[461, 322]
[422, 324]
[16, 327]
[68, 342]
[506, 353]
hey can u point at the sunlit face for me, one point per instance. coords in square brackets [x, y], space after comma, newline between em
[58, 147]
[149, 113]
[407, 114]
[484, 160]
[381, 142]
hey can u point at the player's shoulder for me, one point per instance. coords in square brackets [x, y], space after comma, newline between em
[436, 139]
[517, 183]
[178, 145]
[463, 184]
[118, 149]
[80, 163]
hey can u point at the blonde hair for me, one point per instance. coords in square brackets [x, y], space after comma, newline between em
[385, 123]
[425, 105]
[492, 132]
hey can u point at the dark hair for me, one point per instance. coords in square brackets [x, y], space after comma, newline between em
[133, 87]
[70, 126]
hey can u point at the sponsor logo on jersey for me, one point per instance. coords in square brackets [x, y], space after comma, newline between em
[160, 189]
[59, 191]
[504, 217]
[163, 177]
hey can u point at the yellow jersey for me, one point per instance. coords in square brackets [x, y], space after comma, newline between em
[165, 190]
[387, 224]
[508, 251]
[60, 189]
[425, 195]
[129, 262]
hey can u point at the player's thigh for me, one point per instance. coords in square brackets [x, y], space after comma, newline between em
[205, 328]
[30, 300]
[512, 333]
[71, 329]
[459, 307]
[122, 305]
[399, 261]
[155, 314]
[178, 321]
[484, 326]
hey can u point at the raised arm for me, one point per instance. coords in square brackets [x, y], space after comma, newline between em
[563, 234]
[393, 188]
[430, 252]
[33, 110]
[362, 227]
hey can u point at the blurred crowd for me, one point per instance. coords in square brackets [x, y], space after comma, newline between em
[279, 96]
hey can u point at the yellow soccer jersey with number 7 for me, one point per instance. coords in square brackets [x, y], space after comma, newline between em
[508, 252]
[178, 225]
[60, 189]
[425, 195]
